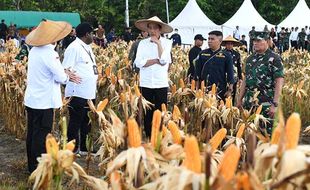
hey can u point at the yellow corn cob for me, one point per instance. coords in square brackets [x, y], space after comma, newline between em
[259, 109]
[102, 105]
[173, 89]
[213, 89]
[228, 102]
[240, 130]
[276, 135]
[134, 137]
[176, 114]
[229, 162]
[192, 159]
[51, 145]
[193, 85]
[198, 94]
[108, 71]
[137, 90]
[163, 107]
[122, 97]
[2, 72]
[113, 79]
[155, 127]
[292, 130]
[217, 139]
[70, 145]
[175, 132]
[222, 103]
[243, 181]
[182, 85]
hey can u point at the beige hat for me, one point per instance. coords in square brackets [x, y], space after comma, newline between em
[142, 24]
[231, 39]
[48, 32]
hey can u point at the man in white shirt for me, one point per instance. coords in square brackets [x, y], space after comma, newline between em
[294, 38]
[44, 76]
[153, 59]
[236, 33]
[79, 57]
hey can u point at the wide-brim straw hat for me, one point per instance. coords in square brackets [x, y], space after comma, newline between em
[48, 32]
[231, 39]
[142, 24]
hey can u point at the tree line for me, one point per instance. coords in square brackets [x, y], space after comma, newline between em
[111, 13]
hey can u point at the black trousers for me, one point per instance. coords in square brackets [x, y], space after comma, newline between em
[157, 96]
[294, 44]
[39, 123]
[79, 125]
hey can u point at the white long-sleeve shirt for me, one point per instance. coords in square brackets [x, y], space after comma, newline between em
[44, 76]
[294, 36]
[154, 76]
[79, 56]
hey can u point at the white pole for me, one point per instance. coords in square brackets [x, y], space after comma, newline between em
[127, 14]
[167, 10]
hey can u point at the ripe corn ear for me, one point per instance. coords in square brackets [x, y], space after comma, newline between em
[134, 136]
[192, 159]
[229, 162]
[175, 132]
[292, 130]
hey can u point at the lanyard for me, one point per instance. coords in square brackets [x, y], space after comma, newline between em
[88, 52]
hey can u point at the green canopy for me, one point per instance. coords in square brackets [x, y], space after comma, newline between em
[25, 19]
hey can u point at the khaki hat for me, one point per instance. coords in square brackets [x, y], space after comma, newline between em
[231, 39]
[48, 32]
[142, 24]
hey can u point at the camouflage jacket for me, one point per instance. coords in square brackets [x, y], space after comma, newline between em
[261, 72]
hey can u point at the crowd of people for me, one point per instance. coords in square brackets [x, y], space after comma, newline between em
[282, 38]
[218, 64]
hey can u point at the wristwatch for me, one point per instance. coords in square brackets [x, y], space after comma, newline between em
[275, 104]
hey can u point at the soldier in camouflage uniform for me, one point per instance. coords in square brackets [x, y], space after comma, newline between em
[251, 36]
[302, 39]
[264, 79]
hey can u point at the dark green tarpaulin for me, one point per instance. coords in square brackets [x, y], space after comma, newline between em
[24, 19]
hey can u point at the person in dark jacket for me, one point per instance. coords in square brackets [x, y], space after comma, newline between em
[176, 38]
[193, 53]
[229, 44]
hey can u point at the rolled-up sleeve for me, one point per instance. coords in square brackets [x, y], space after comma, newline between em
[141, 59]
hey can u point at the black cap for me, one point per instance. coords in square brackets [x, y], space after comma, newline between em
[199, 37]
[261, 35]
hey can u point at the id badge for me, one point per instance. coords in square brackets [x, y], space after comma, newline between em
[95, 68]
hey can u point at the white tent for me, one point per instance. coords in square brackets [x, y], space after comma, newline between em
[298, 17]
[246, 17]
[191, 21]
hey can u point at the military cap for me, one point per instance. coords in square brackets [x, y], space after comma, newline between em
[261, 35]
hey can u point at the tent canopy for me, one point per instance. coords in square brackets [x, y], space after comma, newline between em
[191, 21]
[246, 17]
[25, 19]
[298, 17]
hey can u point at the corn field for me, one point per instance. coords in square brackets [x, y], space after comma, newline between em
[197, 142]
